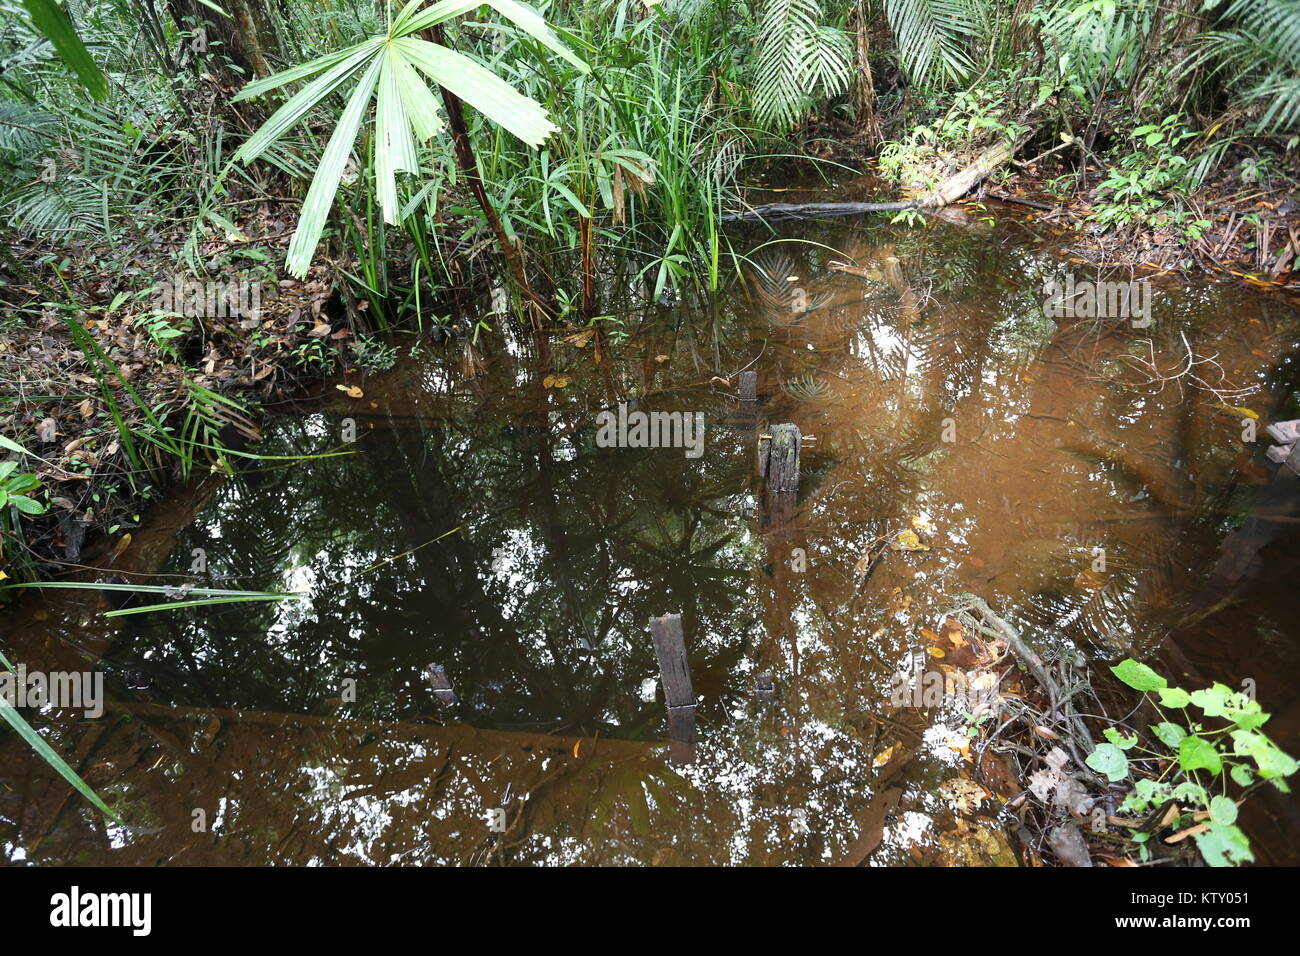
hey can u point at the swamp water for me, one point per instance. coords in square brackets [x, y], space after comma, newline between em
[943, 402]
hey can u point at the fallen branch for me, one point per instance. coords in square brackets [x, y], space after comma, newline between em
[949, 191]
[780, 211]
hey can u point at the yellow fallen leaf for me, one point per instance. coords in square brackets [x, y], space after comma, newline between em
[907, 540]
[352, 390]
[579, 339]
[576, 745]
[882, 758]
[555, 381]
[662, 358]
[936, 651]
[1238, 411]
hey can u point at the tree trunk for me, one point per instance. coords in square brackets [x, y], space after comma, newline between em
[468, 164]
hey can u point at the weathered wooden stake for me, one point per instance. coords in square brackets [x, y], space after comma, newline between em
[778, 458]
[675, 671]
[441, 685]
[670, 648]
[748, 388]
[764, 689]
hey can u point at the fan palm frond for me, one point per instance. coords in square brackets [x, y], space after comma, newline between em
[406, 108]
[65, 206]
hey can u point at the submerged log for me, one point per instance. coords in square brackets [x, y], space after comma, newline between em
[779, 211]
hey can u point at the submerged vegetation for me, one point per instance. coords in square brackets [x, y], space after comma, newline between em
[213, 207]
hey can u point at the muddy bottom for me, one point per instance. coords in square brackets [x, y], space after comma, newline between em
[1088, 478]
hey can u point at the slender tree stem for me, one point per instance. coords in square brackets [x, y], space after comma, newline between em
[468, 164]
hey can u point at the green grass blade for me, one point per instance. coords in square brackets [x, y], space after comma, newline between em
[54, 25]
[46, 753]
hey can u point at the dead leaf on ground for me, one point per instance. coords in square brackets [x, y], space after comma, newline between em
[580, 339]
[907, 540]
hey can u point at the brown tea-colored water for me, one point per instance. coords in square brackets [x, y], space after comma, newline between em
[1019, 448]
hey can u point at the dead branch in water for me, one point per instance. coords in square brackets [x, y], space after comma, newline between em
[1077, 736]
[949, 191]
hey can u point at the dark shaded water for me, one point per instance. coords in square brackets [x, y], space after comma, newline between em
[941, 400]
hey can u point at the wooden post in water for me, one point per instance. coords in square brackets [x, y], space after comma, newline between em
[779, 460]
[749, 396]
[778, 465]
[441, 685]
[675, 672]
[764, 689]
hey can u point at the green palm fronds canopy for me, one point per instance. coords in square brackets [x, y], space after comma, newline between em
[406, 108]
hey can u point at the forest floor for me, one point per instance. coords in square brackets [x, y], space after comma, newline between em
[1251, 230]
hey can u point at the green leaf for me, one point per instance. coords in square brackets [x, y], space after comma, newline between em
[53, 24]
[300, 72]
[1138, 676]
[394, 145]
[1174, 697]
[1110, 760]
[480, 88]
[325, 184]
[1145, 791]
[1223, 810]
[420, 103]
[12, 445]
[301, 103]
[1242, 775]
[1193, 791]
[1120, 740]
[531, 23]
[1213, 700]
[46, 753]
[1271, 761]
[1196, 753]
[409, 22]
[26, 505]
[1171, 735]
[1224, 846]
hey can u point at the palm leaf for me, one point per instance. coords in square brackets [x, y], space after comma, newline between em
[325, 184]
[795, 57]
[55, 26]
[931, 37]
[404, 105]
